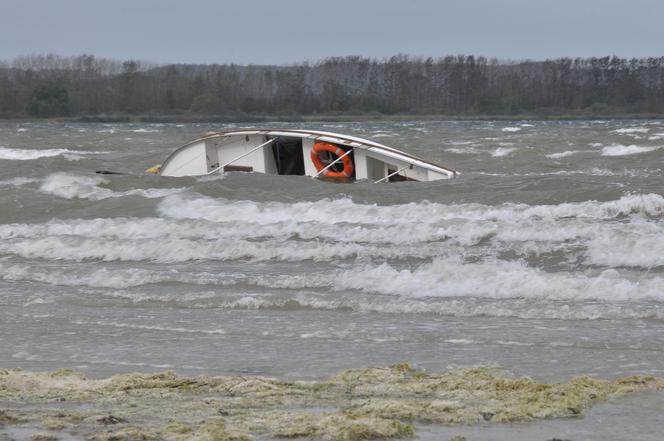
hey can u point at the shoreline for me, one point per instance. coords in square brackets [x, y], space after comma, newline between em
[258, 118]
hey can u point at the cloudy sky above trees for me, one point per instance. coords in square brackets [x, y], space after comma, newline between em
[287, 31]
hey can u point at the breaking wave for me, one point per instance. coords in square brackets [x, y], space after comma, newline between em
[527, 308]
[562, 154]
[633, 130]
[68, 186]
[345, 210]
[19, 181]
[30, 154]
[502, 151]
[624, 150]
[195, 227]
[459, 259]
[444, 286]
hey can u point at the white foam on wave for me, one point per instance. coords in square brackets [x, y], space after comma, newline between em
[595, 171]
[562, 154]
[31, 154]
[326, 211]
[185, 250]
[638, 244]
[381, 134]
[511, 129]
[111, 278]
[499, 280]
[448, 286]
[455, 306]
[463, 234]
[142, 130]
[502, 151]
[142, 327]
[194, 227]
[70, 186]
[19, 181]
[633, 130]
[624, 150]
[463, 150]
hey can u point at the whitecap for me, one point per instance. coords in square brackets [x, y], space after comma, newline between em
[499, 280]
[110, 278]
[30, 154]
[19, 181]
[624, 150]
[641, 244]
[326, 211]
[633, 130]
[562, 154]
[463, 151]
[70, 186]
[511, 129]
[502, 151]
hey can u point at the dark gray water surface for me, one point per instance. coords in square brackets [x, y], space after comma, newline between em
[545, 257]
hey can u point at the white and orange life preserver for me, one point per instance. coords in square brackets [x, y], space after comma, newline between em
[321, 147]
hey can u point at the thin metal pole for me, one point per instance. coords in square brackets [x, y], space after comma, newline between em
[332, 163]
[392, 174]
[242, 156]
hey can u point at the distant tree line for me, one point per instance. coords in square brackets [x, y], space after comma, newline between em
[54, 86]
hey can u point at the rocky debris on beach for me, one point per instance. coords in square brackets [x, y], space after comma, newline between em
[353, 405]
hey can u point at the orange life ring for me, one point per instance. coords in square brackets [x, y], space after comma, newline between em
[321, 147]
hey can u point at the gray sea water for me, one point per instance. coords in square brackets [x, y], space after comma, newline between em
[545, 257]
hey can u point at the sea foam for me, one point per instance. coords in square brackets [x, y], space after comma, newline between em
[503, 151]
[633, 130]
[69, 186]
[562, 154]
[194, 227]
[624, 150]
[30, 154]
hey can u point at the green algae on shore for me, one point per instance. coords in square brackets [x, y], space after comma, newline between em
[353, 405]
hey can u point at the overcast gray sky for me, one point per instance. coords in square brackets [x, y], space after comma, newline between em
[287, 31]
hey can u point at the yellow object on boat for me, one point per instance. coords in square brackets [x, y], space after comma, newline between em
[154, 169]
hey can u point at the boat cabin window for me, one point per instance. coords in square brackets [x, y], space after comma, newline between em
[288, 156]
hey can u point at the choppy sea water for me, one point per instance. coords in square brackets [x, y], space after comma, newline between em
[545, 257]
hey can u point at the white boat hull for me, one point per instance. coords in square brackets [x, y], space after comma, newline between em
[289, 152]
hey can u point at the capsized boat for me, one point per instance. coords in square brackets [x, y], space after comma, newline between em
[298, 152]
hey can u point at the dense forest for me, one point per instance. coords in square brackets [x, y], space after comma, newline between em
[86, 86]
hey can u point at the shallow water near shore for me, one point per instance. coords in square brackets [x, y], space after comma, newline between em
[545, 258]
